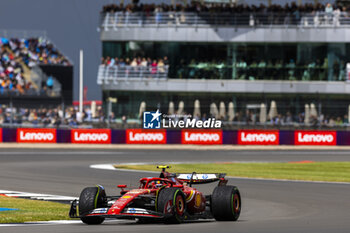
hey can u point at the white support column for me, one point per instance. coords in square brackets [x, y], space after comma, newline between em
[81, 82]
[269, 2]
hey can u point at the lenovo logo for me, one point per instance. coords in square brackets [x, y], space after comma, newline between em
[36, 135]
[100, 136]
[201, 137]
[145, 136]
[315, 138]
[246, 137]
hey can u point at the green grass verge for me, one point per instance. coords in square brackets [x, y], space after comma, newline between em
[316, 171]
[31, 210]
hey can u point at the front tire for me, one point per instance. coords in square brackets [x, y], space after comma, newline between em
[171, 202]
[226, 203]
[91, 198]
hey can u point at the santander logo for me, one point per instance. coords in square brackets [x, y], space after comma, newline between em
[145, 136]
[201, 137]
[36, 135]
[315, 138]
[101, 136]
[250, 137]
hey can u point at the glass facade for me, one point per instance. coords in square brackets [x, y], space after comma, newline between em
[292, 105]
[242, 61]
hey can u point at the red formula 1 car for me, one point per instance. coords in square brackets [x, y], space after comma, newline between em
[169, 198]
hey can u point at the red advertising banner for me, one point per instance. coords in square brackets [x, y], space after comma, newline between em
[0, 135]
[258, 137]
[36, 135]
[145, 136]
[91, 136]
[207, 137]
[316, 138]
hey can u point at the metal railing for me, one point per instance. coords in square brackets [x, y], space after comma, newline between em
[107, 74]
[113, 21]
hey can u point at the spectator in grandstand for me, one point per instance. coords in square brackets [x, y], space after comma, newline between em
[49, 82]
[346, 119]
[134, 63]
[166, 61]
[143, 62]
[329, 9]
[160, 66]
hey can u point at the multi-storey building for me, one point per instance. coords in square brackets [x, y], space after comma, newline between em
[247, 59]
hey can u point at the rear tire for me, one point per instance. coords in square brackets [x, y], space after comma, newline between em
[172, 202]
[226, 203]
[91, 198]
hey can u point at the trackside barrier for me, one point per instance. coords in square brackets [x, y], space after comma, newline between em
[186, 136]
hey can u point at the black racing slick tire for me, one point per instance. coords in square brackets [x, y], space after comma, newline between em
[91, 198]
[226, 203]
[172, 203]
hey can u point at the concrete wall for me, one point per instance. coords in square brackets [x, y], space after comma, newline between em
[228, 34]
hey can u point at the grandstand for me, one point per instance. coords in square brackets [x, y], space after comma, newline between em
[290, 58]
[30, 72]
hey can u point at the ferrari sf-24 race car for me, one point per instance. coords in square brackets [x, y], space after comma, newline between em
[169, 198]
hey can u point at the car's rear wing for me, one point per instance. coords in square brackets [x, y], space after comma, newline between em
[194, 178]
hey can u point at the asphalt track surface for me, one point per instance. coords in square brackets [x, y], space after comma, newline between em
[268, 206]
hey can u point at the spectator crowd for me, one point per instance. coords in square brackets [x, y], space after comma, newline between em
[11, 71]
[198, 7]
[69, 117]
[288, 119]
[49, 117]
[227, 14]
[244, 69]
[16, 53]
[248, 69]
[37, 51]
[135, 62]
[138, 67]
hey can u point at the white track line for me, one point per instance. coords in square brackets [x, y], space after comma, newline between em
[37, 196]
[111, 167]
[103, 166]
[56, 222]
[61, 152]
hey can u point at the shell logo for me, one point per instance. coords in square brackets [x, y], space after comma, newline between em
[198, 200]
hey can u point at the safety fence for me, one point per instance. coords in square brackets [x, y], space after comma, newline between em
[184, 136]
[107, 74]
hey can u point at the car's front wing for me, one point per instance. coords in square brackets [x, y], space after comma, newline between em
[128, 213]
